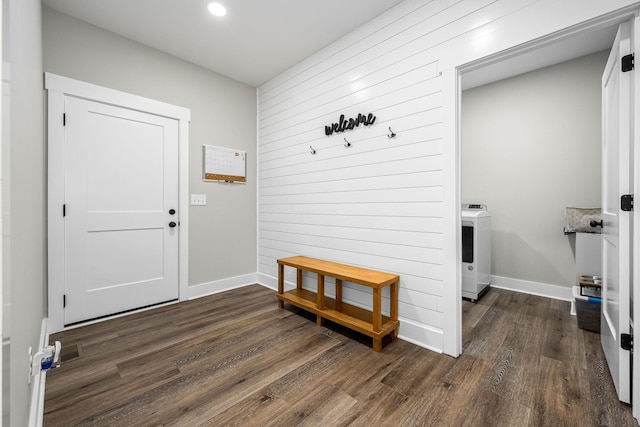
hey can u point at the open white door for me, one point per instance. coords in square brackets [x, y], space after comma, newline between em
[616, 145]
[635, 244]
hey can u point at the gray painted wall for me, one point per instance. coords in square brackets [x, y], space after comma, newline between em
[222, 239]
[27, 198]
[531, 147]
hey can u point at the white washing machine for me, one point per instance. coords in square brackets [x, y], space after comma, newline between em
[476, 251]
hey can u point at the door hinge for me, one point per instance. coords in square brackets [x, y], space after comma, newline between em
[627, 63]
[64, 301]
[626, 342]
[64, 210]
[64, 119]
[626, 202]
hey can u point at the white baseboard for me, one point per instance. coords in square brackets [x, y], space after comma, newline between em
[36, 403]
[534, 288]
[421, 335]
[210, 288]
[272, 282]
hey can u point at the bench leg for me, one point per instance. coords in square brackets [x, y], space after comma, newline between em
[320, 298]
[280, 284]
[377, 318]
[299, 279]
[338, 293]
[394, 307]
[377, 310]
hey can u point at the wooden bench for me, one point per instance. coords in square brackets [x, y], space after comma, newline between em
[370, 323]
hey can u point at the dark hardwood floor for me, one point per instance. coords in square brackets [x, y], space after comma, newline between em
[235, 359]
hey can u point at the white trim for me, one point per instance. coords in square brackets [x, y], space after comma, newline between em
[420, 335]
[452, 294]
[217, 286]
[546, 290]
[36, 403]
[80, 89]
[2, 284]
[257, 181]
[184, 206]
[272, 282]
[55, 223]
[57, 88]
[635, 221]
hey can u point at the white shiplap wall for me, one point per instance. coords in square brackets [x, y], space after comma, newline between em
[382, 203]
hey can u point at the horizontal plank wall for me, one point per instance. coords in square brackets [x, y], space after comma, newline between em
[384, 203]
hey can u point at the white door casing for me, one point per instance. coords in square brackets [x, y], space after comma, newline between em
[635, 266]
[140, 110]
[616, 231]
[121, 181]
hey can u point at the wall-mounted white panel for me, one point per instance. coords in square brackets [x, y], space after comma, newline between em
[380, 151]
[420, 128]
[336, 207]
[366, 235]
[295, 215]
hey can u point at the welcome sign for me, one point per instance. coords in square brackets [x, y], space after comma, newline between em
[348, 124]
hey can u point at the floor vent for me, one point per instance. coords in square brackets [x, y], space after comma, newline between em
[69, 353]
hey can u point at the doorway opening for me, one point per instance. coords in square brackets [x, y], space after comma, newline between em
[511, 69]
[570, 46]
[530, 147]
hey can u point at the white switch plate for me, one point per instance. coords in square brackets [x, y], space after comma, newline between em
[198, 200]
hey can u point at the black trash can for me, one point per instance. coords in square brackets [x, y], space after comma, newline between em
[588, 313]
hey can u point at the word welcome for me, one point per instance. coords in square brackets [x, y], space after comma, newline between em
[349, 124]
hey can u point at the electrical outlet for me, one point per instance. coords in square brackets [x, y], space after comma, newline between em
[198, 200]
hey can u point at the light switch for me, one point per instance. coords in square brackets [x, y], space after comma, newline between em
[198, 200]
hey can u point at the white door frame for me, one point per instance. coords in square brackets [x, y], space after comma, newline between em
[601, 22]
[635, 224]
[592, 25]
[2, 178]
[57, 88]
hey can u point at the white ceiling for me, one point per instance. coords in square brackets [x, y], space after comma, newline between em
[259, 39]
[256, 41]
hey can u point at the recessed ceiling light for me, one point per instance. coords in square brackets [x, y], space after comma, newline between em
[217, 9]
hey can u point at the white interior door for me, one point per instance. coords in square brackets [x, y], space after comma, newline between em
[121, 185]
[616, 137]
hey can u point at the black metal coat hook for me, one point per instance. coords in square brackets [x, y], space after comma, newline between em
[313, 150]
[347, 143]
[392, 134]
